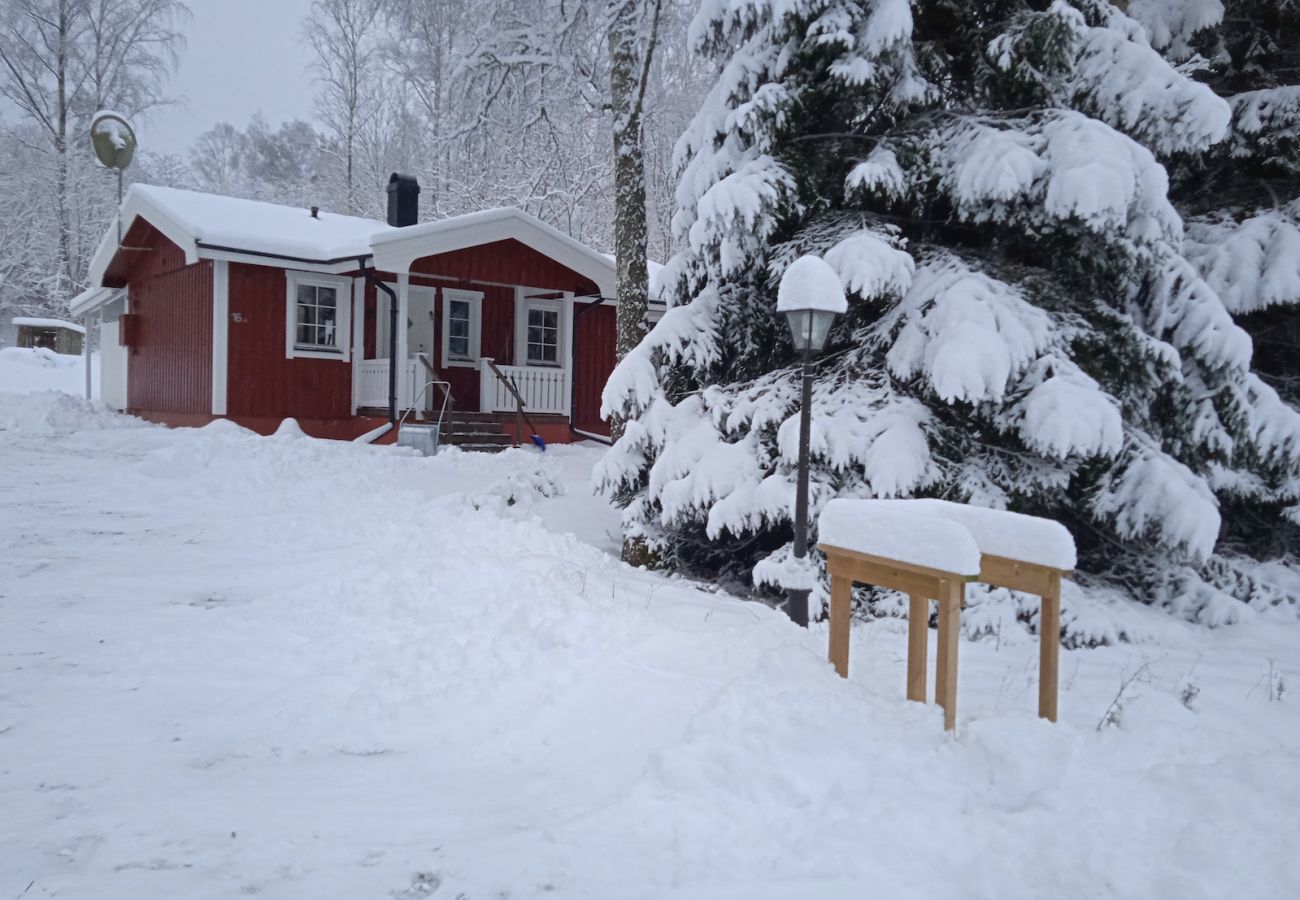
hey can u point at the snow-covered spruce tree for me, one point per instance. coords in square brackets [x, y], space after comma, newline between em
[988, 180]
[1240, 198]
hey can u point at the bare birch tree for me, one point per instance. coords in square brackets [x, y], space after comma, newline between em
[346, 37]
[60, 61]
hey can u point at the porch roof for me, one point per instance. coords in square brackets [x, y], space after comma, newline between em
[397, 248]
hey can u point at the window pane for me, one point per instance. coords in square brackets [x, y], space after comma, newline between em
[458, 328]
[317, 313]
[458, 346]
[534, 334]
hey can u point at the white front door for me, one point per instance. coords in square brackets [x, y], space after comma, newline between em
[419, 337]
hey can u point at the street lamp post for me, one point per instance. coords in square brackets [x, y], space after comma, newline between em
[811, 297]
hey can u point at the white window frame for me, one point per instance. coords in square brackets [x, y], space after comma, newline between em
[475, 301]
[561, 346]
[342, 315]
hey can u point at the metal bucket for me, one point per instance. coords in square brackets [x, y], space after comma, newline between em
[422, 437]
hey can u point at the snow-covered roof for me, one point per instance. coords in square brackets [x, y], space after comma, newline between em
[396, 248]
[193, 221]
[91, 298]
[38, 322]
[210, 224]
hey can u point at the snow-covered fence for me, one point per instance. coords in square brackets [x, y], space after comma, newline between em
[930, 549]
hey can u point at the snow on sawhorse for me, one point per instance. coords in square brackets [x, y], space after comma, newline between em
[929, 550]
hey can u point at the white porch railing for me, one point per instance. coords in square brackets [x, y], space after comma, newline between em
[372, 384]
[544, 389]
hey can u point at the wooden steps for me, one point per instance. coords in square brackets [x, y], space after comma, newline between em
[476, 432]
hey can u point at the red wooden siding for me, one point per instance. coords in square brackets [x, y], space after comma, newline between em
[262, 381]
[594, 332]
[169, 368]
[505, 262]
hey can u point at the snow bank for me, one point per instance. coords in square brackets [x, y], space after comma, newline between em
[54, 412]
[23, 370]
[894, 529]
[319, 669]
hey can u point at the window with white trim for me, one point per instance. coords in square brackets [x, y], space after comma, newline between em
[461, 327]
[543, 338]
[318, 311]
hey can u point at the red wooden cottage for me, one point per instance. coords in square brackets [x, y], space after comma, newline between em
[213, 307]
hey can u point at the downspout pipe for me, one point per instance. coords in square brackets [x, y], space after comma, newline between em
[573, 367]
[371, 278]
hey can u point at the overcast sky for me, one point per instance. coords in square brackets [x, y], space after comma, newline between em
[242, 57]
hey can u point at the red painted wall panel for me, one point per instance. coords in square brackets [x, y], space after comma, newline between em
[505, 262]
[263, 382]
[169, 368]
[595, 336]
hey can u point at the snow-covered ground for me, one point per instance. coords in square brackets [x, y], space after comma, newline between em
[41, 369]
[281, 667]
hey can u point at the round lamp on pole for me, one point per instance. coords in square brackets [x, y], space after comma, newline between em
[810, 297]
[113, 140]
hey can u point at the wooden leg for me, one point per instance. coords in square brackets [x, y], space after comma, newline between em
[918, 631]
[841, 604]
[1049, 650]
[945, 666]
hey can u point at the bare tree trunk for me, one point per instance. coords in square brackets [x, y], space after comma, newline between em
[628, 75]
[65, 274]
[629, 70]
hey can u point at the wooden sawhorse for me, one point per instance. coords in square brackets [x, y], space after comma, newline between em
[922, 585]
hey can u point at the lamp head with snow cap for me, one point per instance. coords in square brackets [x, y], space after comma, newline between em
[810, 296]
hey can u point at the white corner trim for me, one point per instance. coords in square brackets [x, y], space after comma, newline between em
[137, 206]
[220, 335]
[358, 335]
[475, 301]
[342, 319]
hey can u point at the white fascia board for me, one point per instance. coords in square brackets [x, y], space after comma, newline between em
[91, 299]
[254, 259]
[136, 206]
[395, 251]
